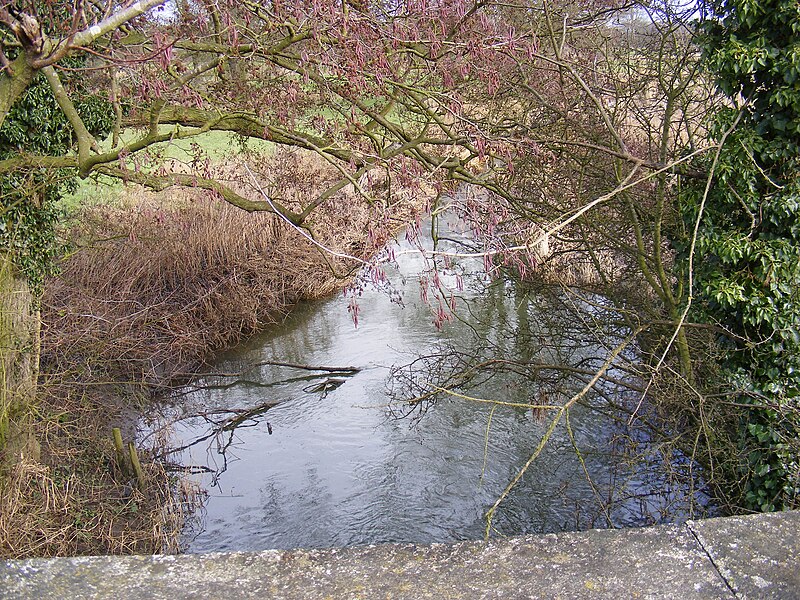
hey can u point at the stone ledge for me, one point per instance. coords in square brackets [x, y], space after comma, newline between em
[754, 556]
[758, 555]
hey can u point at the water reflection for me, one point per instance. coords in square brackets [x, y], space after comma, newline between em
[302, 456]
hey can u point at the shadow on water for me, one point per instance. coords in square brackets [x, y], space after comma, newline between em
[297, 439]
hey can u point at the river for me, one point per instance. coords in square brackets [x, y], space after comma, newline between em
[294, 456]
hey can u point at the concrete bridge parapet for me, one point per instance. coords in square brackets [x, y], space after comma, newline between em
[756, 556]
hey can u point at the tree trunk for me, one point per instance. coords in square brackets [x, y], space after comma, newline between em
[20, 327]
[13, 86]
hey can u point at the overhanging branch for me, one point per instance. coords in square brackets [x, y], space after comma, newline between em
[161, 182]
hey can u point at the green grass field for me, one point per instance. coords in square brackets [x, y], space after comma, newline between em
[217, 146]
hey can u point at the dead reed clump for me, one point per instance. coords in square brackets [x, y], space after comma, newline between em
[77, 500]
[154, 291]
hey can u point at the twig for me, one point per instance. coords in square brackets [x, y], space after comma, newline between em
[308, 367]
[551, 429]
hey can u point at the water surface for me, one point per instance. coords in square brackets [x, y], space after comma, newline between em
[296, 457]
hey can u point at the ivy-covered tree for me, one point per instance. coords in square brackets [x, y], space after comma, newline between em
[32, 123]
[747, 255]
[36, 124]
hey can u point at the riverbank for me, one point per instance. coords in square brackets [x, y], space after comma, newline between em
[153, 287]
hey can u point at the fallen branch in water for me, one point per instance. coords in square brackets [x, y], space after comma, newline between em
[344, 371]
[309, 367]
[236, 418]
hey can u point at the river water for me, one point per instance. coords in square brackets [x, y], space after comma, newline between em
[295, 456]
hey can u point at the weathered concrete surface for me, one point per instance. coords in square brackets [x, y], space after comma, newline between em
[758, 555]
[658, 562]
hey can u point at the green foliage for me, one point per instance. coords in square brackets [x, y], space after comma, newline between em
[747, 270]
[28, 198]
[752, 47]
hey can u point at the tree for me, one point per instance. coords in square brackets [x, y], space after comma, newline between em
[603, 118]
[425, 92]
[572, 118]
[319, 76]
[257, 71]
[28, 246]
[747, 232]
[400, 83]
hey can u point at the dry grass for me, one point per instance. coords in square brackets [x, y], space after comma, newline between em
[156, 290]
[54, 512]
[154, 287]
[76, 500]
